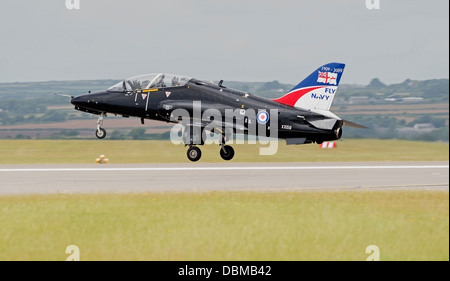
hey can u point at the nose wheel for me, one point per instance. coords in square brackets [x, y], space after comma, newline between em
[100, 133]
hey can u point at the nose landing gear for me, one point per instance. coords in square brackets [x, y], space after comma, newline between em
[100, 132]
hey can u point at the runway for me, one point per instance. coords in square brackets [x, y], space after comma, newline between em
[192, 177]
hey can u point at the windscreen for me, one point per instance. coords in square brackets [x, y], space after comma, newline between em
[150, 81]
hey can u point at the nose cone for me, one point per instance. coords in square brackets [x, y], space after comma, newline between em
[75, 100]
[80, 101]
[91, 102]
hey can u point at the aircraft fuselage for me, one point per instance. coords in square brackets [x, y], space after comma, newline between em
[149, 104]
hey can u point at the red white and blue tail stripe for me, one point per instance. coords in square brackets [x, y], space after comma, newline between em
[317, 91]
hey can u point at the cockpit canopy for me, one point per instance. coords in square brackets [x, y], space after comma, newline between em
[150, 81]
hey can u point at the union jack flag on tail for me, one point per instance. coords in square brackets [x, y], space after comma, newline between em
[327, 77]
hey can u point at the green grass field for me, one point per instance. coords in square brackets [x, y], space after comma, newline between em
[406, 225]
[86, 151]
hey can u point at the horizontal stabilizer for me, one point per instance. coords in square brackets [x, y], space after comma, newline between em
[354, 125]
[326, 124]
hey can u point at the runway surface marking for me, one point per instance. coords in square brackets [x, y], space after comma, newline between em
[106, 169]
[187, 177]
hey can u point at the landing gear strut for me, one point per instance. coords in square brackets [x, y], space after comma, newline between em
[226, 151]
[100, 132]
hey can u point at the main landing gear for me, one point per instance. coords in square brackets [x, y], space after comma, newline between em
[100, 132]
[226, 152]
[194, 153]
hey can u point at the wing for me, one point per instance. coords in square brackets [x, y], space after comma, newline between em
[212, 116]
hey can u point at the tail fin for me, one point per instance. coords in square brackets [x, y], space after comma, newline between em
[317, 91]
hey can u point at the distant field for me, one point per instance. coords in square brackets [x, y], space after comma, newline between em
[405, 225]
[85, 128]
[86, 151]
[394, 109]
[111, 123]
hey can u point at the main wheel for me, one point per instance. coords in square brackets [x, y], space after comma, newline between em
[227, 152]
[194, 153]
[101, 134]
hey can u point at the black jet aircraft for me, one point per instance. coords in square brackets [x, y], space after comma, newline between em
[300, 116]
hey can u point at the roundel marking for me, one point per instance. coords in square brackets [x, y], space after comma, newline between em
[262, 117]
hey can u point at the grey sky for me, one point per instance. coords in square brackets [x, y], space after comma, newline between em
[243, 40]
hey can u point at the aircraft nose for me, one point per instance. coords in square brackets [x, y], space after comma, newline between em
[90, 101]
[83, 101]
[79, 101]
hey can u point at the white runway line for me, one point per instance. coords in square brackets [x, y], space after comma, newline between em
[106, 169]
[184, 177]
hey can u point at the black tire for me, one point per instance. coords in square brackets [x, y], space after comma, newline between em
[100, 134]
[227, 153]
[194, 153]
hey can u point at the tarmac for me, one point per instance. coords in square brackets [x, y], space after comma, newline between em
[202, 177]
